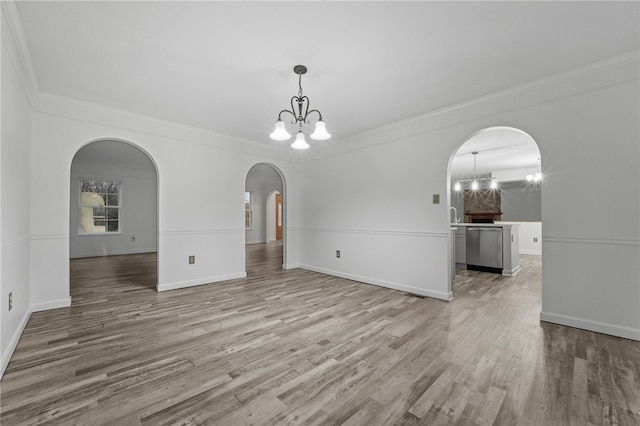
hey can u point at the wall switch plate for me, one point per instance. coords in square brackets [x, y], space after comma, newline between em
[192, 260]
[436, 198]
[10, 300]
[535, 239]
[338, 254]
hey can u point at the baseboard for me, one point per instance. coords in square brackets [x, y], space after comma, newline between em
[512, 272]
[13, 343]
[114, 253]
[54, 304]
[598, 327]
[381, 283]
[200, 281]
[533, 252]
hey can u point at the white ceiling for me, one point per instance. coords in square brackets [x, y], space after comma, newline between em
[227, 66]
[498, 148]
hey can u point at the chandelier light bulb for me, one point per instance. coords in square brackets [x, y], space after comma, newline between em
[538, 177]
[494, 184]
[280, 133]
[457, 187]
[320, 133]
[529, 177]
[300, 143]
[474, 185]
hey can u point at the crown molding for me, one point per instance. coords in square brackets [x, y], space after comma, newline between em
[612, 71]
[14, 39]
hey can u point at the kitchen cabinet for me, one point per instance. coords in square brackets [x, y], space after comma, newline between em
[461, 247]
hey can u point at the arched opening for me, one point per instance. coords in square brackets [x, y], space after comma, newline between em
[113, 219]
[496, 180]
[265, 218]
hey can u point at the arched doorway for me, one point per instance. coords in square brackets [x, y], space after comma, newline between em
[113, 212]
[495, 177]
[265, 218]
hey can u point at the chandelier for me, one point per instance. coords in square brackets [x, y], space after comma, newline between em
[300, 113]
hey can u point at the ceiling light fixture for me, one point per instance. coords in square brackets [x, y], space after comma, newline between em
[301, 104]
[475, 182]
[535, 177]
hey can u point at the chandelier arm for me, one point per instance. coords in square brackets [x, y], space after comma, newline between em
[287, 111]
[309, 113]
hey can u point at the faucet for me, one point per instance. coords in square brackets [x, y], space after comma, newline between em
[455, 214]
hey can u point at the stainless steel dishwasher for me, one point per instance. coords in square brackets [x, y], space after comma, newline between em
[484, 248]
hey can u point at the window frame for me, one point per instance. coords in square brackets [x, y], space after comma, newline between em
[81, 232]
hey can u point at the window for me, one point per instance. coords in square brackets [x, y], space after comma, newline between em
[247, 210]
[99, 207]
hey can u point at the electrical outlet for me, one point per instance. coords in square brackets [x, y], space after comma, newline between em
[338, 254]
[10, 300]
[535, 239]
[436, 198]
[192, 260]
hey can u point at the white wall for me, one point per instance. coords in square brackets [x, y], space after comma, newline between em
[528, 231]
[201, 178]
[371, 198]
[138, 213]
[14, 200]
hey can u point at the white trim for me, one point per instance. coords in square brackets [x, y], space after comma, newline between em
[598, 327]
[111, 253]
[382, 283]
[533, 252]
[203, 137]
[590, 240]
[50, 237]
[18, 48]
[203, 231]
[52, 304]
[399, 128]
[9, 245]
[13, 343]
[512, 272]
[401, 233]
[199, 281]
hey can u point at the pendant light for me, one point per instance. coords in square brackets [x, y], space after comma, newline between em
[300, 112]
[474, 184]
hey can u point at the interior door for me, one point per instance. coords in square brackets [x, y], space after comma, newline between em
[278, 217]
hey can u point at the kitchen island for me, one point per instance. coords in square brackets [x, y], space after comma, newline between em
[489, 247]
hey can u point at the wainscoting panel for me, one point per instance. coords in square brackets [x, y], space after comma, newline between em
[219, 255]
[584, 291]
[414, 262]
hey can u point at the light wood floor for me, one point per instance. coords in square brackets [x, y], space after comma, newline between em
[298, 347]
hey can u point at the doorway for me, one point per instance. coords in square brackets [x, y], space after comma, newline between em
[496, 177]
[113, 212]
[265, 217]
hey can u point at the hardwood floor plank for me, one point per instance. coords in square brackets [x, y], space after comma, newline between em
[297, 347]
